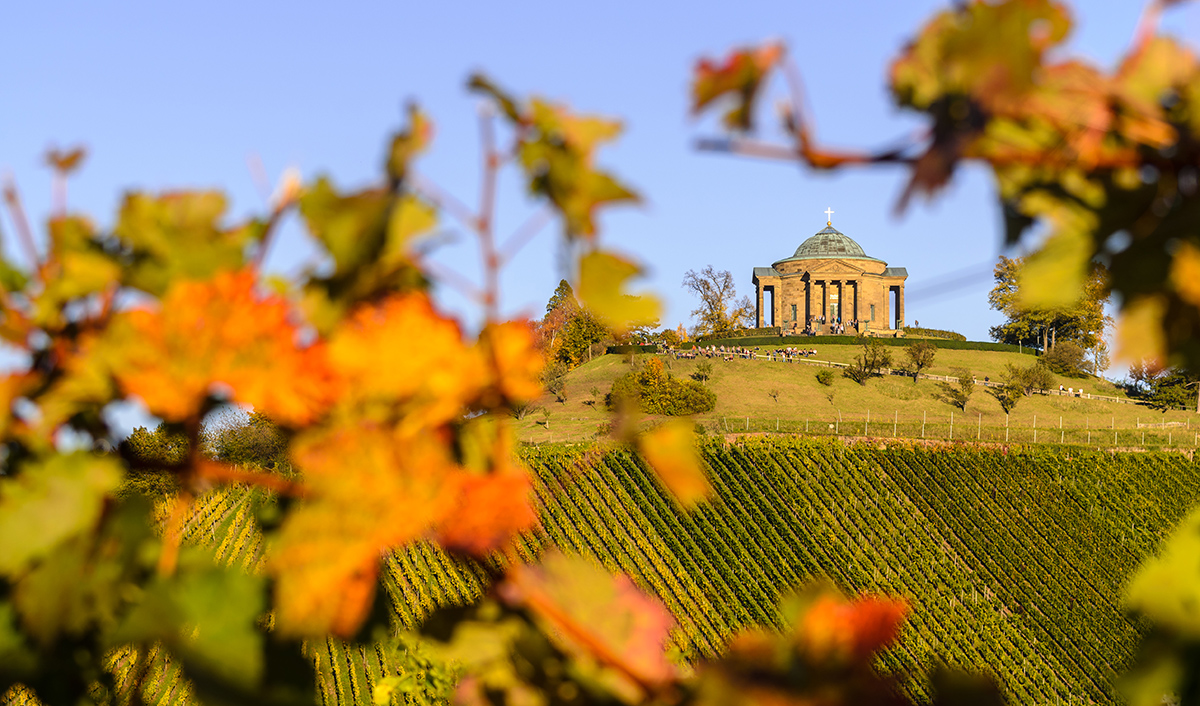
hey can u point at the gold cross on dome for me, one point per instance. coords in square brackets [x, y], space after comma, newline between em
[829, 213]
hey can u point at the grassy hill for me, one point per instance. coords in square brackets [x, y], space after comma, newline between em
[1013, 559]
[743, 390]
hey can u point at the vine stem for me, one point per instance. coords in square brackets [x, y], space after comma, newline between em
[525, 233]
[444, 200]
[17, 211]
[485, 220]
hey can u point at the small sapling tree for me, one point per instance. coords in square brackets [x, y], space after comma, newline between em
[920, 356]
[961, 391]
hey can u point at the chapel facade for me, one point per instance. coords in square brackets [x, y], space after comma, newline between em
[830, 280]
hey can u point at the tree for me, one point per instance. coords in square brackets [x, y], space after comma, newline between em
[1165, 388]
[920, 356]
[871, 362]
[704, 371]
[961, 391]
[720, 310]
[581, 336]
[1067, 358]
[563, 298]
[1082, 321]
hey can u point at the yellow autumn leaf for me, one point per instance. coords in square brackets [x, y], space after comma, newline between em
[1185, 273]
[1140, 330]
[402, 353]
[602, 277]
[670, 449]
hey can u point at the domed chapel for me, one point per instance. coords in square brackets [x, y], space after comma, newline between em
[829, 280]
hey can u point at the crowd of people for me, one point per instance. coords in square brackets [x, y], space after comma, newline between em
[723, 352]
[734, 352]
[815, 323]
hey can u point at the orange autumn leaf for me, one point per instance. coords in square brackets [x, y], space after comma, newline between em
[369, 488]
[215, 336]
[670, 449]
[489, 511]
[834, 628]
[402, 353]
[514, 359]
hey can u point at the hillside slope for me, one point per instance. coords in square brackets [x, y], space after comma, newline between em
[1013, 559]
[744, 387]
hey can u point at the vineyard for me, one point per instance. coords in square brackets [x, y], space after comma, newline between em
[1013, 558]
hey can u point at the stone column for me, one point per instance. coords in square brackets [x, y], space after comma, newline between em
[900, 306]
[758, 312]
[776, 289]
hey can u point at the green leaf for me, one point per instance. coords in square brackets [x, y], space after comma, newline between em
[408, 144]
[1166, 589]
[16, 655]
[178, 235]
[48, 503]
[602, 277]
[482, 84]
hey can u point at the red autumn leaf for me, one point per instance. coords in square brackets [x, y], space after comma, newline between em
[740, 76]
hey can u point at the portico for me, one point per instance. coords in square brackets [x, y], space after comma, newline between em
[830, 280]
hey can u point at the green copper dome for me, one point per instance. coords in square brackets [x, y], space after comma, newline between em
[827, 244]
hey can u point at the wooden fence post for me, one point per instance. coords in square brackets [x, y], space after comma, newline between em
[979, 428]
[952, 425]
[895, 421]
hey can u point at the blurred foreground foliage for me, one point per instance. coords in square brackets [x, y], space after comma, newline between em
[394, 423]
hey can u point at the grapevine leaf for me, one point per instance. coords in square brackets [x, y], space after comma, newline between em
[495, 499]
[178, 236]
[1053, 276]
[739, 76]
[1140, 330]
[1185, 273]
[352, 228]
[369, 235]
[588, 609]
[482, 84]
[327, 557]
[1166, 589]
[558, 157]
[988, 51]
[16, 655]
[435, 379]
[670, 449]
[48, 503]
[515, 360]
[65, 161]
[602, 276]
[211, 337]
[408, 144]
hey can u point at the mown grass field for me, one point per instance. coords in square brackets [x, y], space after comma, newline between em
[743, 389]
[1013, 559]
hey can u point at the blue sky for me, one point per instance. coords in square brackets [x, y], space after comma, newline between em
[173, 95]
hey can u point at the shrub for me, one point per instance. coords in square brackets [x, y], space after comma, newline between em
[825, 377]
[934, 333]
[656, 391]
[1067, 358]
[703, 371]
